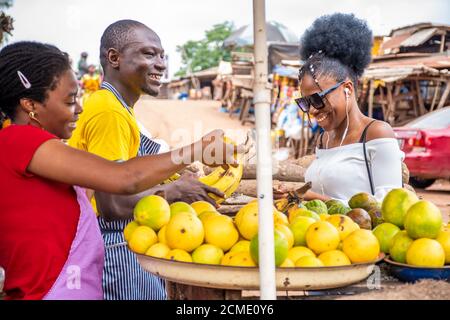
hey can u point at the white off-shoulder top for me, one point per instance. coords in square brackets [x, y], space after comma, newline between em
[341, 172]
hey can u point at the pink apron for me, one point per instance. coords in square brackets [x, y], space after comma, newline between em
[81, 276]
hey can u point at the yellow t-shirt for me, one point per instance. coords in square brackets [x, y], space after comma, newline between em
[106, 128]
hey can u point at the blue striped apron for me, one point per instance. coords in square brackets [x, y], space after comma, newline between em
[123, 277]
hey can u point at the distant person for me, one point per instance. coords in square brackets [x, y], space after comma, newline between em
[90, 82]
[217, 88]
[83, 66]
[4, 123]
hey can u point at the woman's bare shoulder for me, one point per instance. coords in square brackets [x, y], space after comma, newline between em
[380, 129]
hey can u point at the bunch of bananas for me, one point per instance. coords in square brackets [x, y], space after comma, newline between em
[226, 181]
[293, 199]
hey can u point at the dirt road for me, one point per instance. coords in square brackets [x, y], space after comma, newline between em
[439, 194]
[176, 121]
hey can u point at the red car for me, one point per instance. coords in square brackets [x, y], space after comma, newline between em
[426, 144]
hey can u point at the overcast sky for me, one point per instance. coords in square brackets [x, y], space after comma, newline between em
[77, 25]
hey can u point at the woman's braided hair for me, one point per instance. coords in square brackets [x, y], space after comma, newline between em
[41, 64]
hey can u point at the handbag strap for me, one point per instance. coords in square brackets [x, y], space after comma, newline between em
[369, 172]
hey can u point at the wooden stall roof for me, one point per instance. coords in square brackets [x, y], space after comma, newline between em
[178, 83]
[437, 61]
[397, 67]
[413, 36]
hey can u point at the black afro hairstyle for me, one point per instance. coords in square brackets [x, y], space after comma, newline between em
[40, 64]
[117, 35]
[337, 45]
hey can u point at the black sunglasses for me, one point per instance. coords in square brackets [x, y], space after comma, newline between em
[316, 99]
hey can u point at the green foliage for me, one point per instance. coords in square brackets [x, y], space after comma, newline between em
[6, 3]
[6, 22]
[205, 53]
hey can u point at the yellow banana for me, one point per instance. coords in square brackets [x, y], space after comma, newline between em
[282, 204]
[228, 179]
[172, 178]
[227, 182]
[236, 184]
[213, 177]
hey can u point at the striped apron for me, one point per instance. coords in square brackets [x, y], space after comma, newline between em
[123, 277]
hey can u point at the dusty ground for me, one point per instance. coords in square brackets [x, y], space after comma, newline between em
[173, 119]
[422, 290]
[439, 194]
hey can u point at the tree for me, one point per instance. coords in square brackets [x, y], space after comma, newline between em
[205, 53]
[6, 22]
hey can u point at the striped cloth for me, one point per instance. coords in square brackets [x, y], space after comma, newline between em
[123, 277]
[147, 146]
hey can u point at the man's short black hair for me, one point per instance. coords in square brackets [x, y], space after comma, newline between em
[116, 36]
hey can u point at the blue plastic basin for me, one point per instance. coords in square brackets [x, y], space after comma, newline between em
[408, 273]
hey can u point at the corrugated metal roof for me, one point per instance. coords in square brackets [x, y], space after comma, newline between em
[393, 43]
[439, 61]
[419, 37]
[397, 69]
[418, 26]
[410, 36]
[393, 74]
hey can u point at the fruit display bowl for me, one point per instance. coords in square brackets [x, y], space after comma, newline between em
[408, 273]
[247, 278]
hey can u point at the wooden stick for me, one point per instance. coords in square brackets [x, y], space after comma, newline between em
[248, 187]
[284, 171]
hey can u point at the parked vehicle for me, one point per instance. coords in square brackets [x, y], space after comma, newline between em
[426, 143]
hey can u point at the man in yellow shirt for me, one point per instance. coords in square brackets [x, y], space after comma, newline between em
[133, 62]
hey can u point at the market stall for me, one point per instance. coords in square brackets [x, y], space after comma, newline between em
[409, 75]
[399, 89]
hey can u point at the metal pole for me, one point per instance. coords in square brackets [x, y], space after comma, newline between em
[261, 100]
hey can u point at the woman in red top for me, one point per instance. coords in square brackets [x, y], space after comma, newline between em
[50, 244]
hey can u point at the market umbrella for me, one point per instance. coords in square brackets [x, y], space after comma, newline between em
[264, 156]
[275, 31]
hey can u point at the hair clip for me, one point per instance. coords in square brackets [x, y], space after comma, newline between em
[24, 80]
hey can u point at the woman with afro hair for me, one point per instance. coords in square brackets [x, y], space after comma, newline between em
[354, 153]
[50, 242]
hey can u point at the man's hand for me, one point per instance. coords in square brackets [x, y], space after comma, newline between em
[216, 150]
[188, 189]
